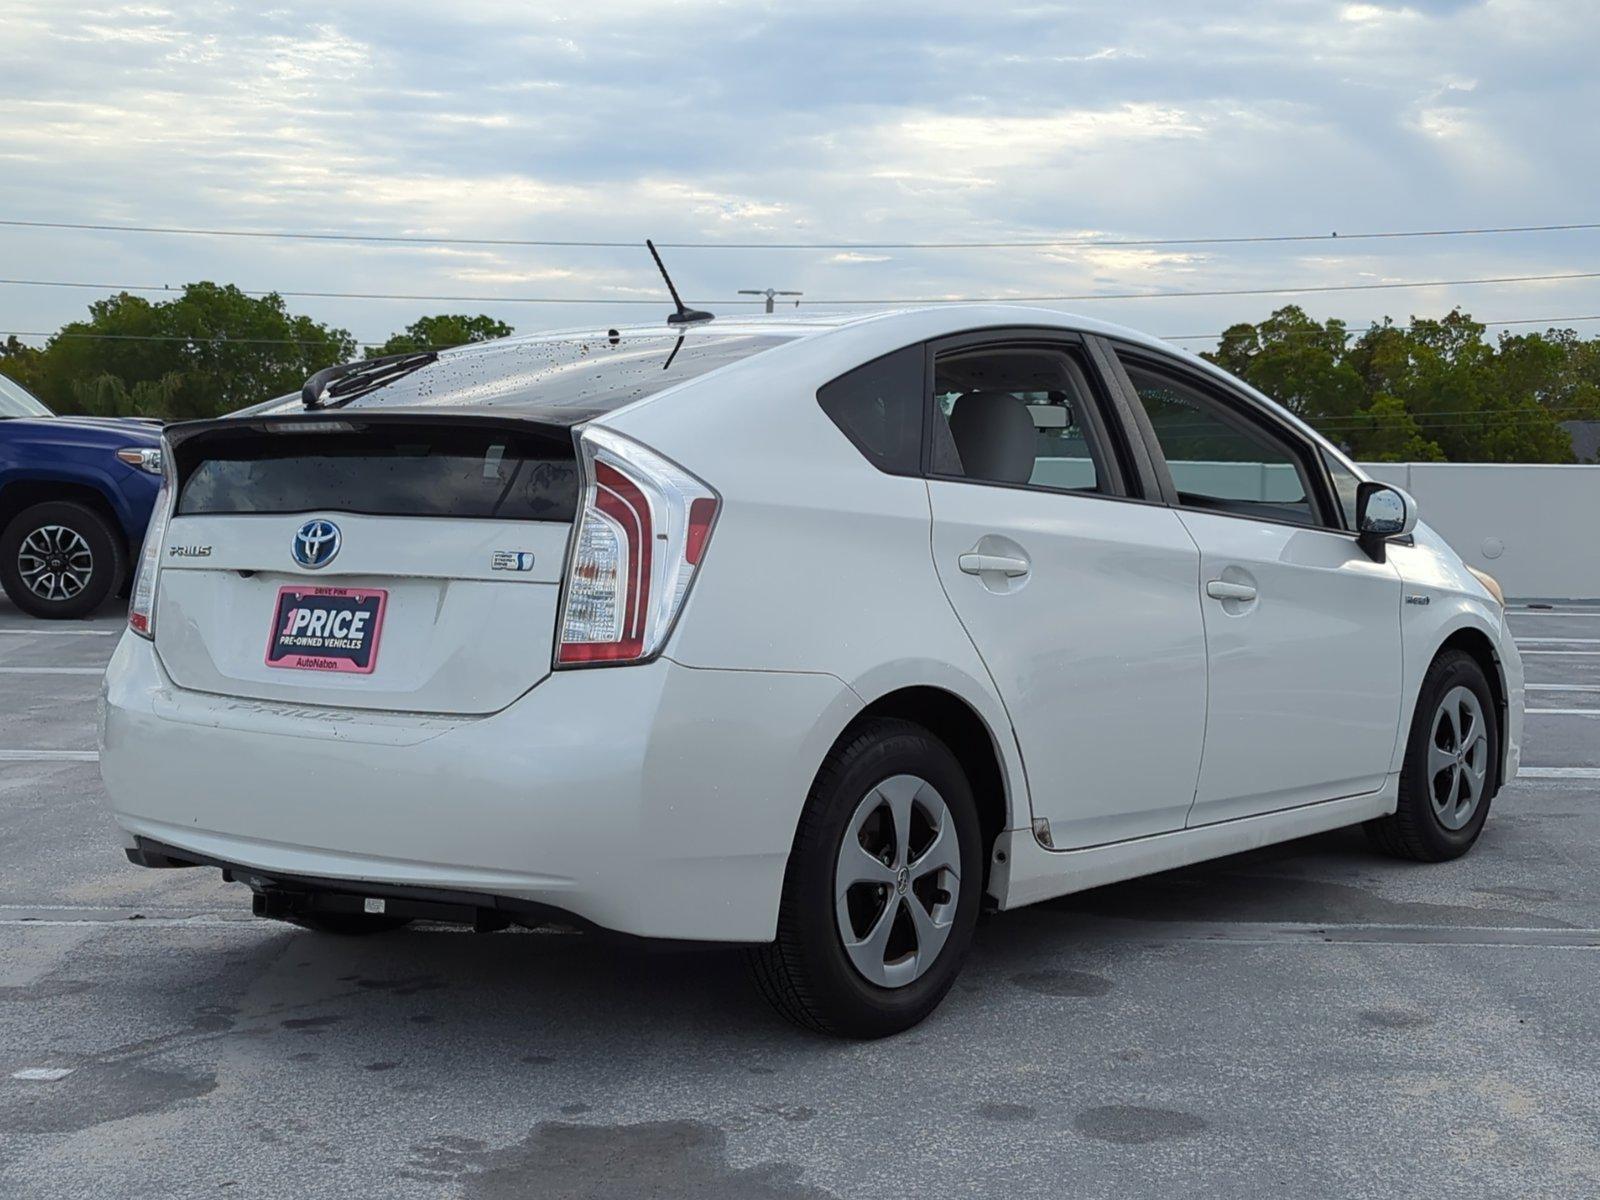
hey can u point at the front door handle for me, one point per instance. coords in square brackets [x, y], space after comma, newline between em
[977, 564]
[1221, 589]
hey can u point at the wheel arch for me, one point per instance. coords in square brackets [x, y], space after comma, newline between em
[20, 494]
[987, 755]
[1480, 647]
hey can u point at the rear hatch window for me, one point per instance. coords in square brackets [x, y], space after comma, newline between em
[411, 470]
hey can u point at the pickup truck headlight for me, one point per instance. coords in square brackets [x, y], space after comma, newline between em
[146, 458]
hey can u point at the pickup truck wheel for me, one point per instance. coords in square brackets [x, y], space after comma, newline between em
[60, 560]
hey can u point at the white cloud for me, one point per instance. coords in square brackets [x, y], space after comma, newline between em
[825, 122]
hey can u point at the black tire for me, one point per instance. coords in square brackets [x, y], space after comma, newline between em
[107, 553]
[348, 924]
[806, 974]
[1416, 831]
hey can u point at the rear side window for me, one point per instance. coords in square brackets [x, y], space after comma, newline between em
[405, 471]
[879, 407]
[1018, 415]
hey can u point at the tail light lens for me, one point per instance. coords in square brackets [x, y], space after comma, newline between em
[142, 605]
[642, 532]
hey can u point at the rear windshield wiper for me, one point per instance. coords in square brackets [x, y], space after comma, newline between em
[334, 386]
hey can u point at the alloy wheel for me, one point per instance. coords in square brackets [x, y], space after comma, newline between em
[1458, 758]
[55, 562]
[897, 881]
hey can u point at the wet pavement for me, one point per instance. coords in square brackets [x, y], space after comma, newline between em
[1309, 1020]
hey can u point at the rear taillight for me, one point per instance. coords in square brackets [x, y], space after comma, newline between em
[142, 605]
[642, 532]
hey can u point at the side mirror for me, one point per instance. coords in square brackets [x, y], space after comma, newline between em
[1382, 512]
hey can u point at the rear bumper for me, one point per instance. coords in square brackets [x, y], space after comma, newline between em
[659, 801]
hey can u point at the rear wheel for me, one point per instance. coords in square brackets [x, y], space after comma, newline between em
[60, 560]
[1448, 777]
[882, 890]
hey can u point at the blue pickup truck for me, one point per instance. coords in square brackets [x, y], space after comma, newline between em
[75, 498]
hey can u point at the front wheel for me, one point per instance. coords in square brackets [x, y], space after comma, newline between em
[60, 560]
[882, 890]
[1449, 774]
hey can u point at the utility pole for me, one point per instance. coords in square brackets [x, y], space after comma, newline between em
[769, 293]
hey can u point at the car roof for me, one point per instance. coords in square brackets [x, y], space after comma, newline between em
[915, 322]
[868, 334]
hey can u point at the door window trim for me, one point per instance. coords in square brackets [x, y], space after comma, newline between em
[1104, 430]
[1327, 516]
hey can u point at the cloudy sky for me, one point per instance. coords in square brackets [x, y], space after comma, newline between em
[707, 121]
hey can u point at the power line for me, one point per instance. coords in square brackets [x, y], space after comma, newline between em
[1356, 330]
[1362, 330]
[1034, 243]
[210, 339]
[1478, 417]
[1306, 289]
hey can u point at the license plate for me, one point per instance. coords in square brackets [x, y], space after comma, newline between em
[327, 629]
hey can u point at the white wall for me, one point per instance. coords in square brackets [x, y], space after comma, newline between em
[1236, 480]
[1534, 528]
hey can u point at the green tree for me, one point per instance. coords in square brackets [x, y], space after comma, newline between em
[1434, 389]
[1391, 434]
[20, 361]
[440, 333]
[1297, 362]
[207, 351]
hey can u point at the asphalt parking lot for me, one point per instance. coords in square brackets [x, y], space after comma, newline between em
[1312, 1020]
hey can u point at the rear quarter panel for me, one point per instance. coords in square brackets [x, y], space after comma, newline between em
[819, 562]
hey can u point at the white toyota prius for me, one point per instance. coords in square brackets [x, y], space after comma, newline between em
[814, 636]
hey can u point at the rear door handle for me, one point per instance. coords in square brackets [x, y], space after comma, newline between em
[1221, 589]
[977, 564]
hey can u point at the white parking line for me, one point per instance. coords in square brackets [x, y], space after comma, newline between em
[1561, 687]
[61, 632]
[49, 756]
[1563, 653]
[1558, 641]
[1562, 712]
[52, 671]
[42, 1074]
[1557, 773]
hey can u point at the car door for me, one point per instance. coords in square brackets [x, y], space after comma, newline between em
[1079, 595]
[1302, 625]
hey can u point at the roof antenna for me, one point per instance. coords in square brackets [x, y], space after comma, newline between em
[684, 316]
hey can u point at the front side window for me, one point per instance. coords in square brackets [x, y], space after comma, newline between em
[1219, 459]
[1346, 486]
[1015, 415]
